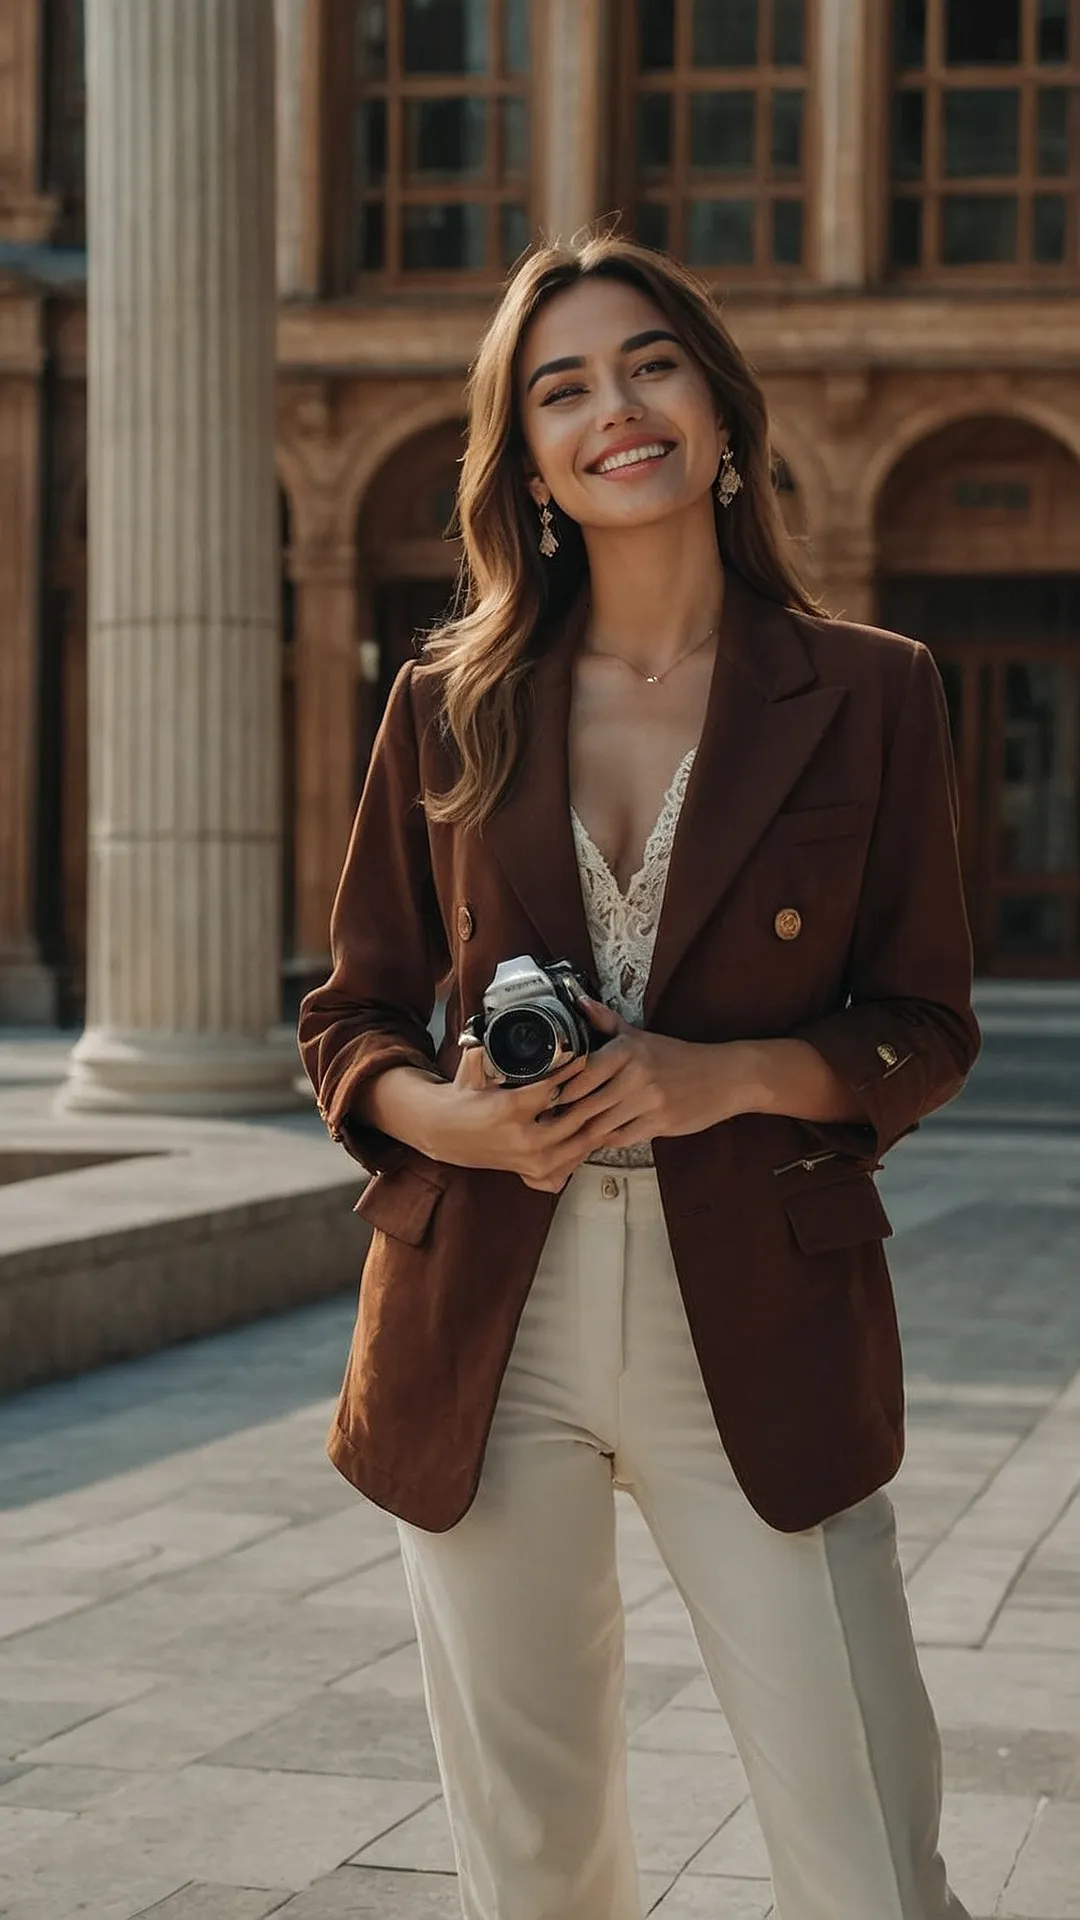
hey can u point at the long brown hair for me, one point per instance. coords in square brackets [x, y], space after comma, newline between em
[507, 593]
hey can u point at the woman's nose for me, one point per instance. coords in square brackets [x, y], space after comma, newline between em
[617, 403]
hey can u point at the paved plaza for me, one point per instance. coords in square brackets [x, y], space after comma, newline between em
[210, 1702]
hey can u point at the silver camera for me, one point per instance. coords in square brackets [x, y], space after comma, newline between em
[532, 1020]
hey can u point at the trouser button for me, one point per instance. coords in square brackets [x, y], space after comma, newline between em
[609, 1188]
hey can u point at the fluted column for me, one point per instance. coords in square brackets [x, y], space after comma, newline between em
[844, 149]
[185, 788]
[572, 68]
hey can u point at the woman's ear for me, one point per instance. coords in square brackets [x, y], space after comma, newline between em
[540, 494]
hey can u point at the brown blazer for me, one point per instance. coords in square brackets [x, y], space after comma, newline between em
[814, 890]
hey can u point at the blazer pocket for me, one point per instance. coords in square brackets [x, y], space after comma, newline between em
[842, 1215]
[823, 823]
[400, 1204]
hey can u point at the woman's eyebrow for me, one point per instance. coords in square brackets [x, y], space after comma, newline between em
[575, 360]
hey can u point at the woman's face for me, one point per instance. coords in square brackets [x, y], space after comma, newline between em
[620, 422]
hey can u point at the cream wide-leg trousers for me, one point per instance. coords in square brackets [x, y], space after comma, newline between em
[806, 1637]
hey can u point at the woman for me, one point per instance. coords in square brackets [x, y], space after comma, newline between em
[641, 748]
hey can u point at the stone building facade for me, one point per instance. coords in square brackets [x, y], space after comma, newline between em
[886, 191]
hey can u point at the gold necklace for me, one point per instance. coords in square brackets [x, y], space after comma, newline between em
[656, 679]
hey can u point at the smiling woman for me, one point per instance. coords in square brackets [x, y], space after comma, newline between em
[639, 772]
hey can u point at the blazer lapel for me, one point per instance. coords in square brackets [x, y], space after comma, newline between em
[530, 832]
[764, 719]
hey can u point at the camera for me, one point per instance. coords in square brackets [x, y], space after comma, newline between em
[532, 1020]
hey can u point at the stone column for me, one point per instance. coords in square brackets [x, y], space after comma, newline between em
[185, 786]
[843, 155]
[327, 674]
[845, 565]
[570, 108]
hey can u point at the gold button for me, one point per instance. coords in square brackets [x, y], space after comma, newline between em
[888, 1054]
[466, 925]
[788, 923]
[610, 1189]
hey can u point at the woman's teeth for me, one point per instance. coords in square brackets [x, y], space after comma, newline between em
[633, 457]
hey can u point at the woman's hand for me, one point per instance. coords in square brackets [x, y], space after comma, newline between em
[475, 1121]
[642, 1086]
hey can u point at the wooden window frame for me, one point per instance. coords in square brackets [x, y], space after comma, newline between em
[761, 186]
[934, 78]
[489, 189]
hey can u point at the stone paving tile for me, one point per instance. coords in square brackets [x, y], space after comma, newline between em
[1013, 1761]
[420, 1844]
[981, 1836]
[369, 1893]
[684, 1730]
[677, 1802]
[202, 1902]
[65, 1789]
[171, 1726]
[1046, 1877]
[737, 1852]
[696, 1898]
[364, 1734]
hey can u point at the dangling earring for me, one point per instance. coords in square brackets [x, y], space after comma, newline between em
[730, 480]
[549, 539]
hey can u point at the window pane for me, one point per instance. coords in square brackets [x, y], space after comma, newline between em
[653, 134]
[446, 36]
[371, 39]
[978, 229]
[513, 233]
[789, 33]
[372, 248]
[516, 36]
[909, 32]
[905, 247]
[907, 140]
[515, 141]
[720, 233]
[651, 224]
[722, 132]
[656, 33]
[1053, 130]
[1048, 237]
[1040, 768]
[725, 35]
[447, 236]
[787, 233]
[1053, 31]
[982, 33]
[445, 139]
[1032, 923]
[371, 143]
[981, 131]
[787, 132]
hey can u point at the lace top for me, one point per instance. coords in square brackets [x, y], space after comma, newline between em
[622, 926]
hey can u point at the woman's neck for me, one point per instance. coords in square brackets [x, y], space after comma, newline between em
[654, 591]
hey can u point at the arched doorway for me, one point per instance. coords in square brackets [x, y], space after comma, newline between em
[978, 542]
[406, 557]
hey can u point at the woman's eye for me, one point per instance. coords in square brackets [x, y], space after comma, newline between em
[650, 366]
[558, 393]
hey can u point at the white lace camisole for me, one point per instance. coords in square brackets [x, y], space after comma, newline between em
[622, 926]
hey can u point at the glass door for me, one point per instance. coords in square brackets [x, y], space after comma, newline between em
[1013, 693]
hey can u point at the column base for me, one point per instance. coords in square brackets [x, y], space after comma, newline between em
[196, 1075]
[29, 996]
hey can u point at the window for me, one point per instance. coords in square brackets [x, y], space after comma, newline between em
[65, 118]
[985, 148]
[441, 137]
[715, 135]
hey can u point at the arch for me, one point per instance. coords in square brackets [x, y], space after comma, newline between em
[933, 419]
[375, 449]
[985, 493]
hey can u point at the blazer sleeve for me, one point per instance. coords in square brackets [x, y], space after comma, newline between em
[907, 1037]
[387, 945]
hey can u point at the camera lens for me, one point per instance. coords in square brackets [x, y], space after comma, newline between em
[522, 1044]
